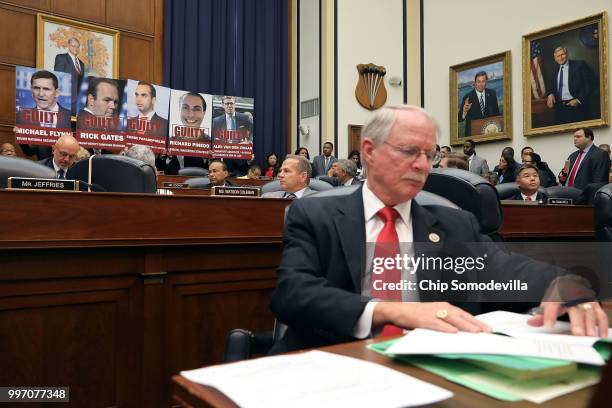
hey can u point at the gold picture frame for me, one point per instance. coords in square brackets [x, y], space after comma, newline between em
[471, 120]
[97, 50]
[583, 100]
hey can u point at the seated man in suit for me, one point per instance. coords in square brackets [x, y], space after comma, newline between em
[294, 176]
[345, 172]
[64, 155]
[7, 149]
[528, 180]
[217, 174]
[327, 293]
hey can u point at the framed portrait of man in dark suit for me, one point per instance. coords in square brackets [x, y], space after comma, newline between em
[565, 81]
[76, 48]
[481, 99]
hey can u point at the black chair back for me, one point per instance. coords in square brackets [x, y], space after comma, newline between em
[565, 192]
[19, 167]
[199, 182]
[314, 184]
[603, 213]
[116, 173]
[470, 192]
[193, 171]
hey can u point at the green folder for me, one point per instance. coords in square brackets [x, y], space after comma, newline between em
[500, 376]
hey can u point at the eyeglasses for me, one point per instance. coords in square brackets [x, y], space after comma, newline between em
[411, 152]
[65, 154]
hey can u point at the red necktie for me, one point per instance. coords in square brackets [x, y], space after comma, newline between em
[528, 198]
[387, 246]
[572, 176]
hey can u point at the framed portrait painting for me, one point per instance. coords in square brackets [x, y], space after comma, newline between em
[481, 99]
[565, 77]
[77, 48]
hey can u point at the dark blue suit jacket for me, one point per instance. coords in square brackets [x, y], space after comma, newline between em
[318, 292]
[475, 113]
[595, 167]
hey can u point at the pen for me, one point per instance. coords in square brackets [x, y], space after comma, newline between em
[540, 310]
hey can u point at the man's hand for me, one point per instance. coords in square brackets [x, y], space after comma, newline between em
[572, 102]
[550, 102]
[427, 316]
[585, 318]
[466, 106]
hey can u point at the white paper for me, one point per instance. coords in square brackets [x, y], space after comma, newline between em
[515, 325]
[316, 379]
[425, 341]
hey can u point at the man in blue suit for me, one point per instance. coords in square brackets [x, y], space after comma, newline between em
[569, 88]
[480, 103]
[70, 63]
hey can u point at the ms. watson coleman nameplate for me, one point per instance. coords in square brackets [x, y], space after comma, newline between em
[25, 183]
[236, 191]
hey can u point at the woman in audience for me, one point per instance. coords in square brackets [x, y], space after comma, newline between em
[302, 151]
[506, 171]
[355, 157]
[272, 165]
[547, 177]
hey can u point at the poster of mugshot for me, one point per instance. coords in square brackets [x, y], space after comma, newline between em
[480, 96]
[190, 120]
[41, 100]
[76, 48]
[147, 115]
[102, 113]
[564, 77]
[233, 127]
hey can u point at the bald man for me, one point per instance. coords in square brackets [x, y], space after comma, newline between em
[64, 155]
[7, 149]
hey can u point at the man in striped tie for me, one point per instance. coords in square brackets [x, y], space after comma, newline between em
[479, 103]
[70, 63]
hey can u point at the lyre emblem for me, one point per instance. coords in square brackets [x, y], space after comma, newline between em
[370, 91]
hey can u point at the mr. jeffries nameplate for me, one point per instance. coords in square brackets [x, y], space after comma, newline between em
[25, 183]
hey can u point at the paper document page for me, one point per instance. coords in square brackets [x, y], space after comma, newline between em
[316, 379]
[424, 341]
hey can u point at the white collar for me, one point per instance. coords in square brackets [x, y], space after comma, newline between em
[149, 115]
[372, 205]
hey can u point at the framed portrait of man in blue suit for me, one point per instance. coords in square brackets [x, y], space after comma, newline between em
[76, 48]
[481, 99]
[565, 81]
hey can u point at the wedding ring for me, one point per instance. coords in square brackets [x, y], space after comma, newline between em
[585, 306]
[442, 314]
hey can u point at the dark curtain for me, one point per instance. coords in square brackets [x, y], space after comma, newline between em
[233, 47]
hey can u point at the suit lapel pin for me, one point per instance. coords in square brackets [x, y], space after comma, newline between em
[433, 237]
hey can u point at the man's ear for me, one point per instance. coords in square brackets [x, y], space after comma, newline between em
[90, 100]
[367, 149]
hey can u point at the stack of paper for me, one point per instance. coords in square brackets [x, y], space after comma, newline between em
[498, 365]
[316, 379]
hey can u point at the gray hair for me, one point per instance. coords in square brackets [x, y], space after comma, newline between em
[561, 47]
[303, 165]
[379, 125]
[347, 166]
[142, 153]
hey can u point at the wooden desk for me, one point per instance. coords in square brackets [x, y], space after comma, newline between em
[189, 394]
[547, 221]
[112, 294]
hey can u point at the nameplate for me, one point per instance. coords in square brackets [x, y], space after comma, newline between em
[236, 191]
[169, 184]
[561, 201]
[26, 183]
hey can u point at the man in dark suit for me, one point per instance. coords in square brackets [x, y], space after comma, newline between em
[589, 164]
[148, 121]
[322, 163]
[240, 123]
[326, 293]
[528, 180]
[569, 88]
[64, 155]
[479, 103]
[70, 63]
[345, 171]
[101, 110]
[217, 174]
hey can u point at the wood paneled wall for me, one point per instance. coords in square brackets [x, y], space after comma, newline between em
[140, 23]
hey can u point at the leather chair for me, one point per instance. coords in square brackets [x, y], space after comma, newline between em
[199, 182]
[193, 171]
[565, 192]
[242, 344]
[314, 184]
[330, 180]
[470, 192]
[19, 167]
[116, 173]
[603, 213]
